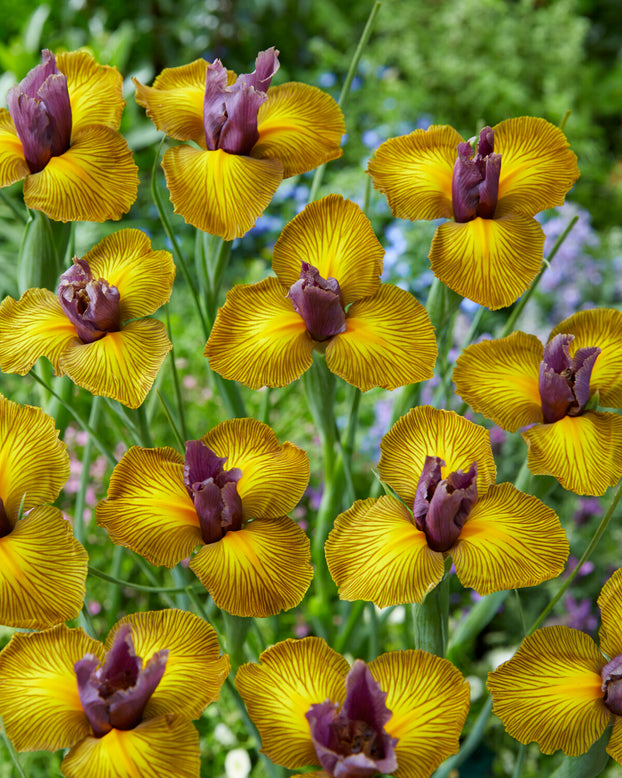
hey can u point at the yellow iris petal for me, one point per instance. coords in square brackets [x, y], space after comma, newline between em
[509, 540]
[415, 172]
[195, 670]
[499, 378]
[614, 747]
[376, 553]
[34, 463]
[291, 676]
[426, 431]
[143, 277]
[610, 604]
[537, 167]
[257, 571]
[39, 701]
[583, 452]
[122, 365]
[33, 326]
[336, 237]
[429, 700]
[550, 691]
[95, 91]
[94, 180]
[222, 194]
[274, 476]
[389, 342]
[490, 261]
[41, 584]
[300, 126]
[600, 327]
[258, 338]
[148, 508]
[175, 101]
[167, 745]
[13, 165]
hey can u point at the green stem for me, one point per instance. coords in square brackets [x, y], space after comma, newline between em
[21, 216]
[354, 617]
[264, 414]
[600, 531]
[85, 621]
[140, 587]
[12, 752]
[176, 384]
[215, 272]
[85, 475]
[563, 120]
[181, 439]
[354, 63]
[431, 617]
[518, 766]
[144, 433]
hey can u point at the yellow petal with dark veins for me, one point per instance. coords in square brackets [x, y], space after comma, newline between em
[13, 165]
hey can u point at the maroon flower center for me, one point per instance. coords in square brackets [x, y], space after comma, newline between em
[114, 695]
[612, 684]
[442, 505]
[6, 526]
[475, 180]
[213, 490]
[319, 302]
[352, 742]
[92, 305]
[41, 112]
[230, 112]
[564, 381]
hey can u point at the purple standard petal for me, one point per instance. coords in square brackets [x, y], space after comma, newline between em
[114, 695]
[564, 381]
[213, 490]
[239, 133]
[612, 685]
[266, 65]
[442, 505]
[352, 742]
[91, 306]
[214, 113]
[41, 111]
[319, 302]
[475, 180]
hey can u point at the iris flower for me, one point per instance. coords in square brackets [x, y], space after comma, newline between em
[401, 714]
[228, 495]
[251, 136]
[392, 550]
[327, 296]
[560, 689]
[491, 249]
[94, 329]
[42, 568]
[515, 381]
[123, 708]
[60, 135]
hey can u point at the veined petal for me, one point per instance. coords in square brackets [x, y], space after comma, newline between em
[614, 747]
[195, 670]
[144, 277]
[175, 101]
[94, 180]
[41, 583]
[222, 194]
[259, 570]
[258, 338]
[122, 365]
[95, 91]
[274, 476]
[389, 342]
[550, 691]
[299, 125]
[33, 326]
[34, 463]
[167, 745]
[415, 172]
[39, 701]
[425, 431]
[537, 166]
[13, 165]
[148, 508]
[583, 452]
[610, 604]
[510, 539]
[336, 237]
[499, 378]
[291, 676]
[429, 700]
[376, 553]
[490, 261]
[600, 327]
